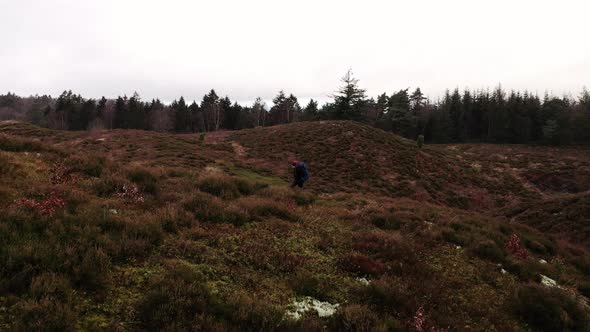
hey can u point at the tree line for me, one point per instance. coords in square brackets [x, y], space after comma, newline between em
[494, 116]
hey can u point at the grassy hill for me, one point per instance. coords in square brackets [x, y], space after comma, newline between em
[131, 230]
[350, 157]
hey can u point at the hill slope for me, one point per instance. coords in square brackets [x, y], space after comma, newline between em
[134, 231]
[349, 157]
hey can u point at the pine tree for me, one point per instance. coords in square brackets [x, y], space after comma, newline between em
[182, 118]
[310, 112]
[349, 100]
[120, 116]
[212, 111]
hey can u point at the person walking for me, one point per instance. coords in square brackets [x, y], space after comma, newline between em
[300, 173]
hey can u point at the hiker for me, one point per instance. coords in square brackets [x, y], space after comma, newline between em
[300, 173]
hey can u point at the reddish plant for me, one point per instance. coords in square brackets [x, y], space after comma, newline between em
[291, 205]
[419, 322]
[131, 192]
[362, 265]
[514, 247]
[46, 207]
[60, 174]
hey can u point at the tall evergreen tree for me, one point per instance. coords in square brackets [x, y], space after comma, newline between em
[349, 100]
[310, 112]
[182, 118]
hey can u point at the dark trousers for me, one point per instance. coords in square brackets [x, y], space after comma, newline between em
[298, 183]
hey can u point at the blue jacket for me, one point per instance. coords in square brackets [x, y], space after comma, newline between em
[300, 172]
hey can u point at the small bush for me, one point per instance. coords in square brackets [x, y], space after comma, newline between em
[420, 141]
[13, 144]
[282, 193]
[227, 187]
[208, 208]
[220, 186]
[173, 219]
[524, 270]
[90, 165]
[385, 245]
[145, 180]
[6, 167]
[362, 265]
[262, 207]
[549, 309]
[107, 186]
[306, 283]
[204, 207]
[385, 293]
[51, 285]
[452, 236]
[236, 215]
[386, 222]
[177, 301]
[487, 249]
[46, 314]
[354, 317]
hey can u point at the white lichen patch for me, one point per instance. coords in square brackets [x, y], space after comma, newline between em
[363, 281]
[298, 308]
[545, 280]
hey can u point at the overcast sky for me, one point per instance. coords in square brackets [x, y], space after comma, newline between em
[250, 48]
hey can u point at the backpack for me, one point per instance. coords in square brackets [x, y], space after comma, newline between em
[305, 171]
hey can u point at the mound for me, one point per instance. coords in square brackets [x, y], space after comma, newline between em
[345, 156]
[567, 217]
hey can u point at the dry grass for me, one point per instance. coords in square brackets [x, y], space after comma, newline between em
[219, 241]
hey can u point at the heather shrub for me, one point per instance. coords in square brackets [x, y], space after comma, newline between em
[283, 193]
[204, 207]
[261, 208]
[107, 185]
[386, 222]
[306, 283]
[46, 314]
[90, 165]
[247, 187]
[420, 141]
[14, 144]
[236, 215]
[244, 312]
[144, 179]
[362, 265]
[451, 236]
[524, 270]
[147, 228]
[172, 218]
[582, 263]
[584, 289]
[383, 244]
[5, 166]
[88, 268]
[227, 187]
[549, 309]
[51, 285]
[179, 300]
[208, 208]
[487, 249]
[387, 293]
[5, 197]
[354, 318]
[220, 186]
